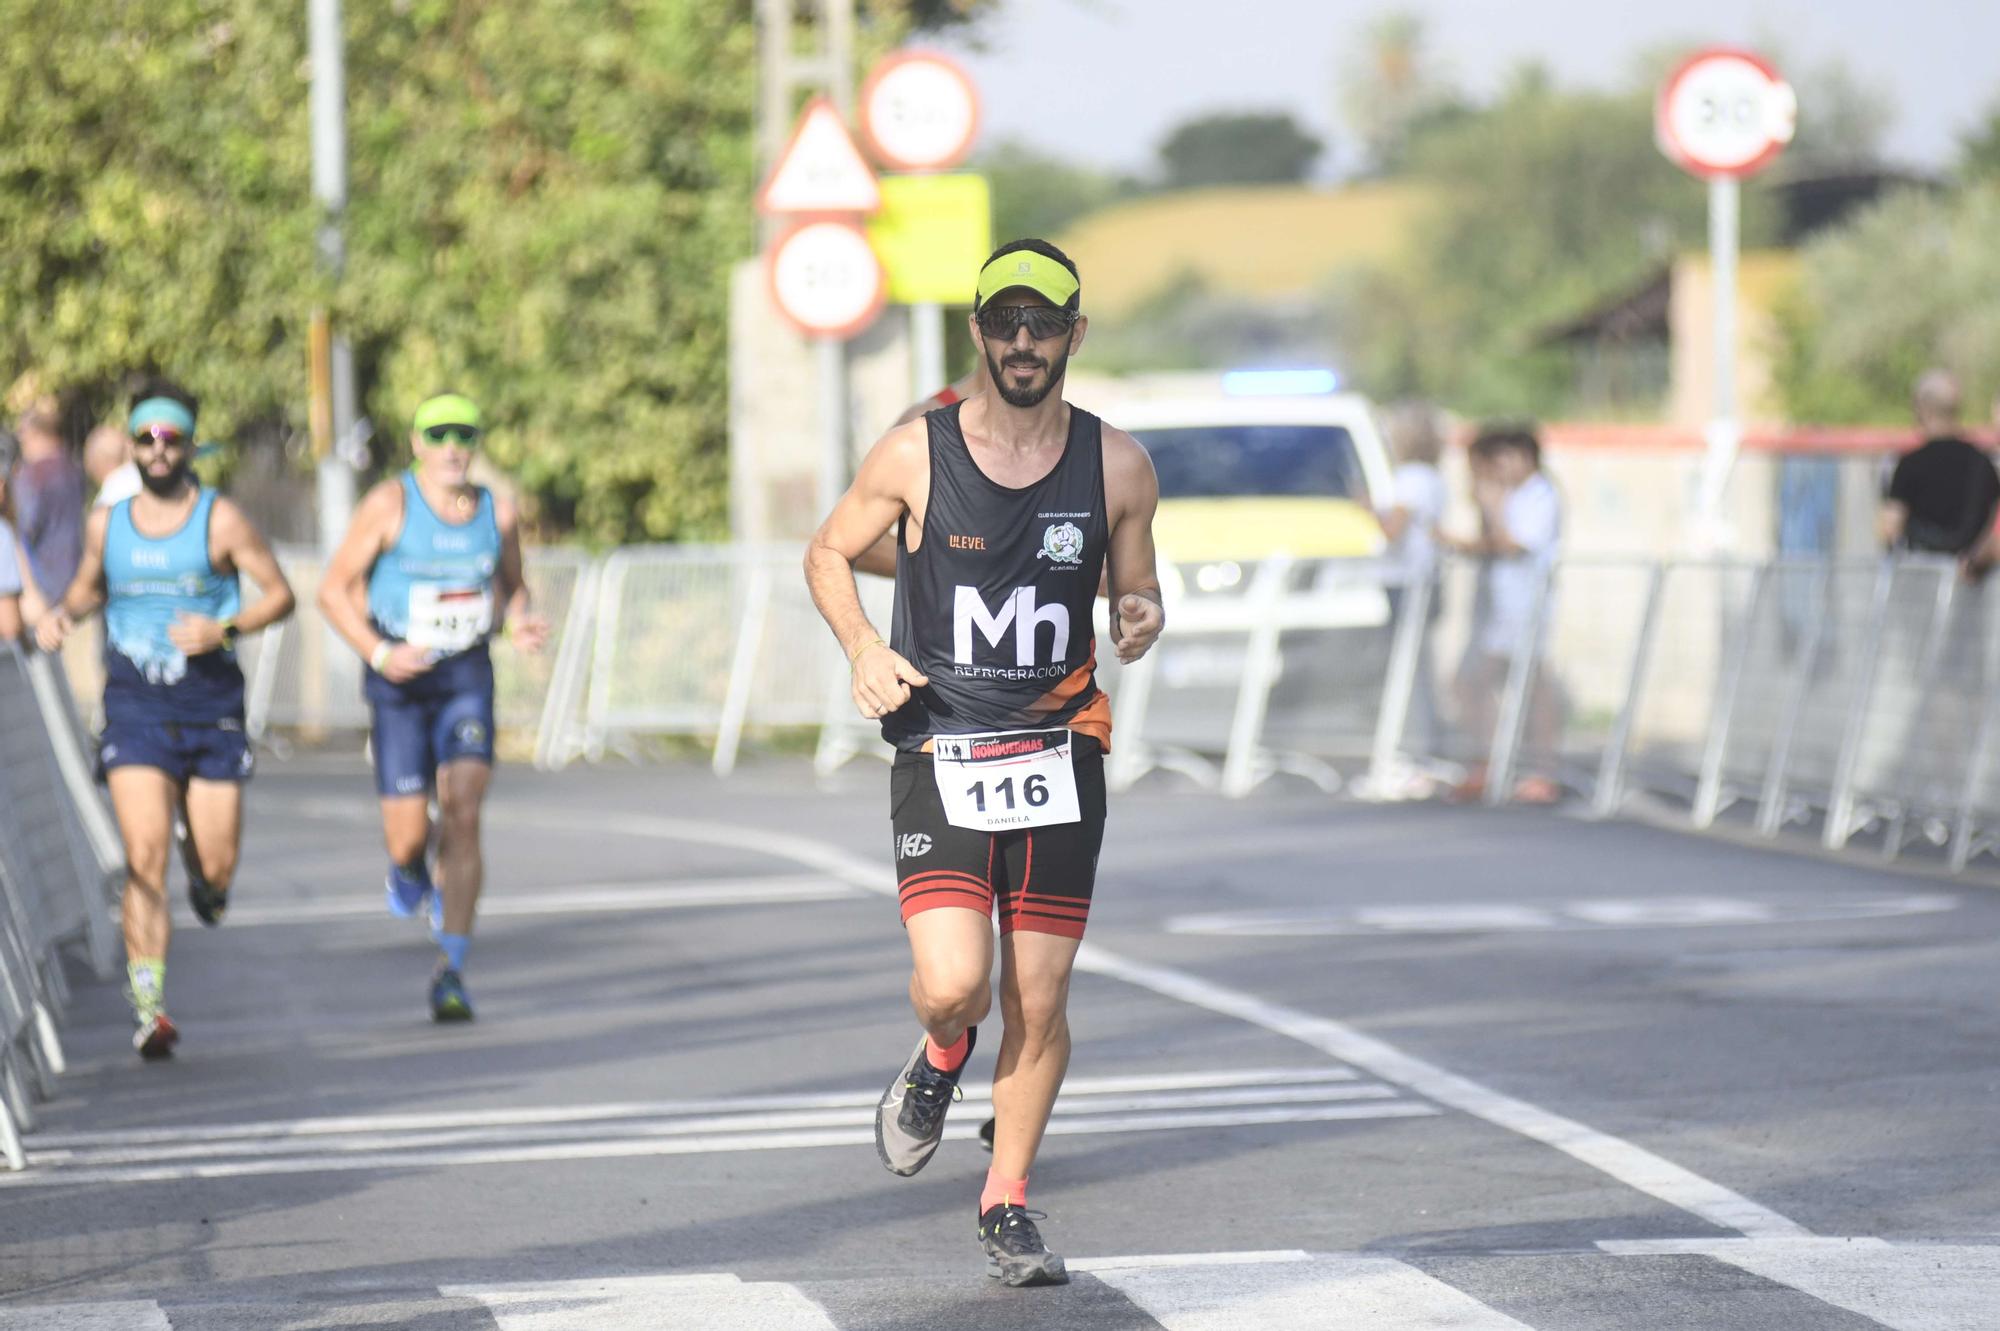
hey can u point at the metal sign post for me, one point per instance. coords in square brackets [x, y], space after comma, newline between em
[920, 113]
[1722, 115]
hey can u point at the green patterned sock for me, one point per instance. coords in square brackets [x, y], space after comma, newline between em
[147, 978]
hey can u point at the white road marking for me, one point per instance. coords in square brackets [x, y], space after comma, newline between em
[1379, 1293]
[628, 1130]
[1625, 1161]
[646, 1303]
[1074, 1090]
[1151, 1259]
[578, 899]
[129, 1315]
[1630, 1164]
[1906, 1286]
[1595, 913]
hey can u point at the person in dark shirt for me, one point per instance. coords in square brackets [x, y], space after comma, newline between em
[1943, 495]
[48, 496]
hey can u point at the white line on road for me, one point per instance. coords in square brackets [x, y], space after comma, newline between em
[705, 1144]
[1906, 1286]
[1625, 1161]
[694, 1125]
[578, 899]
[646, 1303]
[126, 1315]
[1379, 1293]
[1074, 1089]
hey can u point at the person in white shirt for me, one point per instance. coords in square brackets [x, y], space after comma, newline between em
[1410, 520]
[107, 457]
[1520, 517]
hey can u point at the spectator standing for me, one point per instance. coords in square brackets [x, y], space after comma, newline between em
[1943, 495]
[107, 459]
[1410, 521]
[19, 603]
[48, 496]
[1520, 517]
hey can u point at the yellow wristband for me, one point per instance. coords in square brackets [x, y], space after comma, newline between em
[856, 656]
[380, 656]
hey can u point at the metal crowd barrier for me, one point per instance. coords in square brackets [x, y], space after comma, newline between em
[61, 869]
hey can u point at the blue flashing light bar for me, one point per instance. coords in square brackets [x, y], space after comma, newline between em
[1279, 383]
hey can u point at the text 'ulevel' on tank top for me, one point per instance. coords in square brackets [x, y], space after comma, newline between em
[995, 604]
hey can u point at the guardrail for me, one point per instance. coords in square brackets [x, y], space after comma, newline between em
[61, 869]
[1854, 697]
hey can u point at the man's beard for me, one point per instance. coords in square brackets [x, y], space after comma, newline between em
[167, 486]
[1027, 397]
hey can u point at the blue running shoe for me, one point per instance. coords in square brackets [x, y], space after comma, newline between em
[449, 1001]
[406, 891]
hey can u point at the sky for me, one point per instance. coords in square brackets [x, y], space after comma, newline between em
[1101, 82]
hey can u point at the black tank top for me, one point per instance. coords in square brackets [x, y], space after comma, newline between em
[995, 606]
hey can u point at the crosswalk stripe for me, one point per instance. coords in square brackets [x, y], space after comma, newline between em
[126, 1315]
[646, 1303]
[1908, 1286]
[1379, 1293]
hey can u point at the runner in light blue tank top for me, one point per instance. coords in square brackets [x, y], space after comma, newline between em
[427, 574]
[150, 584]
[164, 566]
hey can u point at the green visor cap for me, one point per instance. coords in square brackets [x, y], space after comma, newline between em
[447, 409]
[1027, 269]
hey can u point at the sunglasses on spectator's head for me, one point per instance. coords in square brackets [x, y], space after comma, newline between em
[465, 435]
[162, 436]
[1042, 321]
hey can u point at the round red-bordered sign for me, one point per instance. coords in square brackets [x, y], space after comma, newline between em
[919, 111]
[824, 278]
[1725, 113]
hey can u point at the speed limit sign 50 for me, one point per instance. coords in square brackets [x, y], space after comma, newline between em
[826, 279]
[1725, 113]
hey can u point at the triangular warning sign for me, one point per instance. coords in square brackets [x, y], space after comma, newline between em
[820, 171]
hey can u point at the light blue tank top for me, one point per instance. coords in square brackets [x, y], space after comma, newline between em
[434, 587]
[149, 583]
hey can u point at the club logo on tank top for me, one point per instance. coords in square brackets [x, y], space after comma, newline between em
[1062, 542]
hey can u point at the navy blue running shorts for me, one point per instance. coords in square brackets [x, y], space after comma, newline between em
[416, 736]
[214, 751]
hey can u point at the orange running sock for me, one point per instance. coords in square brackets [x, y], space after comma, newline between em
[946, 1058]
[1000, 1190]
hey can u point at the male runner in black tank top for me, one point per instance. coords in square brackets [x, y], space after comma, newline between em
[1006, 508]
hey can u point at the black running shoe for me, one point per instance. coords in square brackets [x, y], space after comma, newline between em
[909, 1120]
[986, 1134]
[1015, 1253]
[208, 903]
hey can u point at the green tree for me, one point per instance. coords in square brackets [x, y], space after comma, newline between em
[1979, 150]
[1391, 91]
[1238, 149]
[1914, 281]
[546, 199]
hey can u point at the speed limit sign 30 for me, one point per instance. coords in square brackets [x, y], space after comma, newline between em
[1725, 113]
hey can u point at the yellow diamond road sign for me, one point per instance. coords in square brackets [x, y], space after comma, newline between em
[932, 234]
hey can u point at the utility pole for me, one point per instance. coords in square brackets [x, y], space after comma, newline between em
[786, 72]
[333, 406]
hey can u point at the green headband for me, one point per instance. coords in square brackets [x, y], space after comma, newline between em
[160, 411]
[447, 409]
[1026, 268]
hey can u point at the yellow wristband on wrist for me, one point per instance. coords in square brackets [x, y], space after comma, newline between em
[855, 657]
[380, 656]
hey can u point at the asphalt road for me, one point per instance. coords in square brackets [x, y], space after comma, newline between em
[1336, 1066]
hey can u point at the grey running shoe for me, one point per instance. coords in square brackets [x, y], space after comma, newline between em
[156, 1037]
[1015, 1253]
[909, 1121]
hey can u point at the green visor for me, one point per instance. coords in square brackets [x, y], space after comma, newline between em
[447, 409]
[1028, 270]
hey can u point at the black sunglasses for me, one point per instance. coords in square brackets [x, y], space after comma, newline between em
[453, 434]
[1042, 321]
